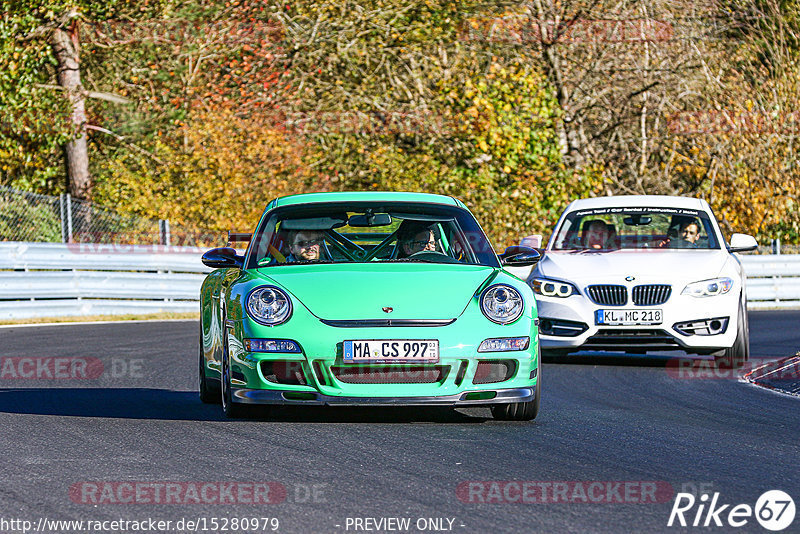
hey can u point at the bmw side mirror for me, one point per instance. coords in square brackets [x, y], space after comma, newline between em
[743, 243]
[518, 256]
[222, 258]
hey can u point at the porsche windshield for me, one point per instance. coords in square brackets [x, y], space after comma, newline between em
[358, 232]
[636, 228]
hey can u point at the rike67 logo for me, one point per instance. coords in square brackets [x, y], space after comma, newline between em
[774, 510]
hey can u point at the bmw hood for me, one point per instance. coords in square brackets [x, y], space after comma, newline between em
[614, 267]
[361, 291]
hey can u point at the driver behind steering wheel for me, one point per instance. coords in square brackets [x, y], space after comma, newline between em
[416, 237]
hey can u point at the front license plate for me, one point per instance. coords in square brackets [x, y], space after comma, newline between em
[628, 317]
[391, 350]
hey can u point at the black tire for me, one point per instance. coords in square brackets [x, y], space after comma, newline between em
[735, 356]
[232, 410]
[520, 411]
[209, 389]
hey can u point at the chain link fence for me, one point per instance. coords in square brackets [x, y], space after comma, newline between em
[32, 217]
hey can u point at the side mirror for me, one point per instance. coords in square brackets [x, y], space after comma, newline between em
[743, 243]
[520, 257]
[532, 241]
[222, 258]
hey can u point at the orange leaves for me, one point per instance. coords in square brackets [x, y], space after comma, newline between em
[221, 171]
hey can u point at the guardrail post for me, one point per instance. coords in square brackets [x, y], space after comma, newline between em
[61, 203]
[163, 227]
[69, 218]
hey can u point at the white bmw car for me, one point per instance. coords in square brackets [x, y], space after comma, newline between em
[642, 273]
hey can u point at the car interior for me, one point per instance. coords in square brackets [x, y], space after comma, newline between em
[370, 237]
[638, 230]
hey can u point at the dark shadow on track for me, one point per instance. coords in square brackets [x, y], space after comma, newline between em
[161, 404]
[126, 403]
[623, 359]
[366, 414]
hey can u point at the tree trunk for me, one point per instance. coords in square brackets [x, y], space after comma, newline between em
[66, 49]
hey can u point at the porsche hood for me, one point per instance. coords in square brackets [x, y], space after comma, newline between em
[362, 291]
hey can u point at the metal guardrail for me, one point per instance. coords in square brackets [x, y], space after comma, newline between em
[101, 257]
[773, 281]
[53, 279]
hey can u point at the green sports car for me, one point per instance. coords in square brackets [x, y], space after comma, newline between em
[369, 299]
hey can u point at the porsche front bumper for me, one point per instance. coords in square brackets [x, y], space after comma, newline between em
[492, 396]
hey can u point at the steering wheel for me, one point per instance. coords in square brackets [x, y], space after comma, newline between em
[433, 256]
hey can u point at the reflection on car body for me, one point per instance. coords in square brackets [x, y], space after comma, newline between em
[369, 299]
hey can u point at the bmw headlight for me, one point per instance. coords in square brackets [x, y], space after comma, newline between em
[708, 288]
[269, 305]
[553, 288]
[502, 304]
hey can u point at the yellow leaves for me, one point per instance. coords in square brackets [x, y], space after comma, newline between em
[220, 171]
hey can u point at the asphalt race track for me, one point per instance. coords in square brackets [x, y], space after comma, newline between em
[129, 413]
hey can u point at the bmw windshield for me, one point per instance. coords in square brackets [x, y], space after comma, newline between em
[636, 228]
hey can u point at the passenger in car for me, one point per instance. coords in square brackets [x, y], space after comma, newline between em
[595, 234]
[414, 237]
[305, 245]
[686, 237]
[690, 232]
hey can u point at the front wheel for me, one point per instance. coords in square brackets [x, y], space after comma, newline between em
[232, 409]
[735, 356]
[209, 391]
[520, 411]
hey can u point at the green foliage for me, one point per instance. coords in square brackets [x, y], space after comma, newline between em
[33, 122]
[37, 222]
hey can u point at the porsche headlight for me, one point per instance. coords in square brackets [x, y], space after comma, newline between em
[708, 288]
[553, 288]
[269, 305]
[502, 304]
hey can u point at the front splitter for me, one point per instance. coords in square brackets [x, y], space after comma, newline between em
[264, 396]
